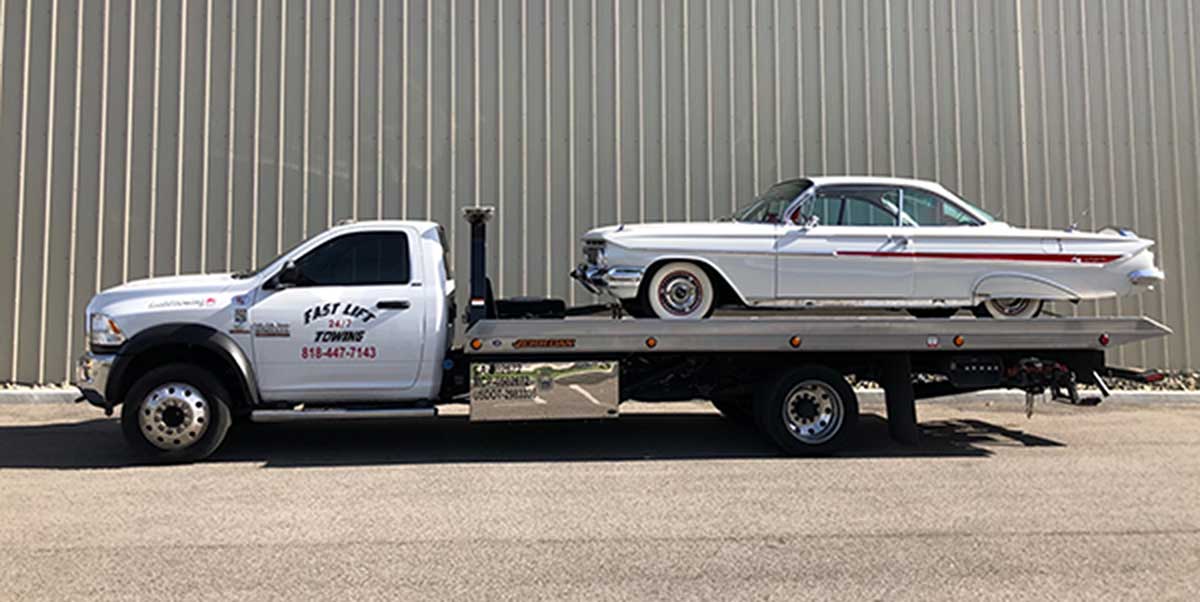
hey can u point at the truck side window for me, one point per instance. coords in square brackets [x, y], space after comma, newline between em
[365, 258]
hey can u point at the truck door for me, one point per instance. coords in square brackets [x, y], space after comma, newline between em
[350, 329]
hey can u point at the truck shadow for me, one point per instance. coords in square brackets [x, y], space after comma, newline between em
[638, 437]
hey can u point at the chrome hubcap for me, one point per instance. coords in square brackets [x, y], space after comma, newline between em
[813, 412]
[680, 293]
[173, 416]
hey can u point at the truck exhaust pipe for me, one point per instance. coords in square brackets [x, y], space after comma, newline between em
[477, 305]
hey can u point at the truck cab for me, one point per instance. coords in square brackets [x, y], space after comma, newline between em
[362, 312]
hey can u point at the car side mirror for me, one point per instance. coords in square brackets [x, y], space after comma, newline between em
[288, 277]
[806, 222]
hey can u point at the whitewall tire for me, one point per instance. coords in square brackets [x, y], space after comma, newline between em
[679, 290]
[1010, 309]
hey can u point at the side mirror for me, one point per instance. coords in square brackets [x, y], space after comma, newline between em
[806, 222]
[288, 277]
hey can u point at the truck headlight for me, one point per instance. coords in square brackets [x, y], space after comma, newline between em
[103, 331]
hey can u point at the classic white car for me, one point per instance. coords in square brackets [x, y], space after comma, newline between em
[860, 242]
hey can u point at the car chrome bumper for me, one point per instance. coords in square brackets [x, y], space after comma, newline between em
[91, 377]
[620, 282]
[1147, 277]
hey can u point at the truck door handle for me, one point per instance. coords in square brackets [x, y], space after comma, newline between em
[393, 304]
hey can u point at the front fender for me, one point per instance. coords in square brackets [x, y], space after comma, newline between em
[703, 262]
[186, 335]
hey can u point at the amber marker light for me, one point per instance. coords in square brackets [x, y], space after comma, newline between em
[476, 344]
[652, 342]
[794, 342]
[959, 341]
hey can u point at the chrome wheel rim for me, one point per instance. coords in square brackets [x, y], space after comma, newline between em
[680, 293]
[813, 412]
[1011, 307]
[173, 416]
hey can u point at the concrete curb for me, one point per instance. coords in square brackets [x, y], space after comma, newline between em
[14, 396]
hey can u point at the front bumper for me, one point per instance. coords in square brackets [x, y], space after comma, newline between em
[619, 282]
[91, 377]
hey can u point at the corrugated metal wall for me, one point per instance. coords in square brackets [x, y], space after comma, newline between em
[140, 137]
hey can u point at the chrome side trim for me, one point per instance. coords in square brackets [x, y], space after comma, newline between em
[1068, 293]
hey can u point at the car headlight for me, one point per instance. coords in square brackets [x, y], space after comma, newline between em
[594, 252]
[103, 331]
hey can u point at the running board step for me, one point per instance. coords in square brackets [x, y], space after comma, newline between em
[322, 414]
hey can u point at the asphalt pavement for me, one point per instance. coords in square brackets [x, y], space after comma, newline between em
[669, 502]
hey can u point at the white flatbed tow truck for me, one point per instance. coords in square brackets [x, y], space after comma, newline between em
[298, 341]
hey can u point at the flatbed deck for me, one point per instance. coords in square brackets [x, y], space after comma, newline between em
[582, 336]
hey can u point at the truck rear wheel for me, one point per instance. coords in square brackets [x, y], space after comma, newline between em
[175, 413]
[810, 410]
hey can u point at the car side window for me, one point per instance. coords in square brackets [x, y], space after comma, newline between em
[928, 209]
[827, 208]
[854, 206]
[359, 259]
[861, 211]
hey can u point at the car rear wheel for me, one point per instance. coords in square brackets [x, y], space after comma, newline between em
[1009, 309]
[679, 290]
[810, 410]
[175, 413]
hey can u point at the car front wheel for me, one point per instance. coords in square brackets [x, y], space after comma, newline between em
[1009, 309]
[679, 291]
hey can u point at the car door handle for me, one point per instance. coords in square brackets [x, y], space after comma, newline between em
[393, 304]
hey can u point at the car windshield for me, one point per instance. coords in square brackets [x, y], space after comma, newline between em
[769, 207]
[986, 217]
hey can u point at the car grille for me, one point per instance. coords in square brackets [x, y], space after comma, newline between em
[593, 251]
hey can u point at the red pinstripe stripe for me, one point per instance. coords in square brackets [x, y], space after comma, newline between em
[1044, 257]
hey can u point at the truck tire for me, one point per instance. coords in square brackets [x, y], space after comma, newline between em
[175, 413]
[735, 410]
[807, 411]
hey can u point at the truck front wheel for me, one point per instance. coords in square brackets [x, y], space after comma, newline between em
[175, 413]
[810, 410]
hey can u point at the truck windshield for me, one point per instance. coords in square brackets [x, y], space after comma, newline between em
[256, 271]
[769, 207]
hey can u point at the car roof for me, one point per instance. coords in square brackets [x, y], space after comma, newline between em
[876, 181]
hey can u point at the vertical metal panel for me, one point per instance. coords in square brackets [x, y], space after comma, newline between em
[140, 137]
